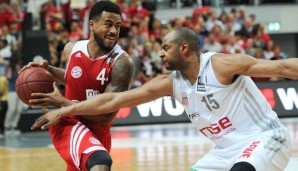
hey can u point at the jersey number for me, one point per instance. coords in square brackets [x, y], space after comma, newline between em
[210, 102]
[101, 76]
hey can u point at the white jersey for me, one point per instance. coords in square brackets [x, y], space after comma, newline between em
[229, 115]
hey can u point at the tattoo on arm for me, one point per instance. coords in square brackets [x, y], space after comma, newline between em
[121, 76]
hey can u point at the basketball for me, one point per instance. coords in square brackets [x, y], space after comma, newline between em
[33, 80]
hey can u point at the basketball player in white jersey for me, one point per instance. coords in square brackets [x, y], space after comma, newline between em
[220, 99]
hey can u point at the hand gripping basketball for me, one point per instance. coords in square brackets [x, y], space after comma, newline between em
[33, 80]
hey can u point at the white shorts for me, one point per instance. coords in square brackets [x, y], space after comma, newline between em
[264, 153]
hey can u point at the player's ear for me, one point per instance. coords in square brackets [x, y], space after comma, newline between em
[184, 47]
[91, 25]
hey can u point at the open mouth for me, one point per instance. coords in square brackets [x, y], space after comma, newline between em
[112, 38]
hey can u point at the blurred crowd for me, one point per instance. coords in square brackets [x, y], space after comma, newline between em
[228, 32]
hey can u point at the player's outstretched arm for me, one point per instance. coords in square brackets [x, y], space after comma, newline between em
[109, 102]
[227, 66]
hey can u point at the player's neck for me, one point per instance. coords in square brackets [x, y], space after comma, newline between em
[94, 50]
[192, 72]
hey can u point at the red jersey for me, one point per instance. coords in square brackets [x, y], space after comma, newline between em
[86, 77]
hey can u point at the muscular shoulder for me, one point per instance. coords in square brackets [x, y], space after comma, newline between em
[227, 66]
[124, 61]
[122, 73]
[68, 48]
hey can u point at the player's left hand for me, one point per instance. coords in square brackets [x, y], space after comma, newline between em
[47, 120]
[49, 99]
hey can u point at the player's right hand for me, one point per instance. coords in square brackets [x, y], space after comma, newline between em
[49, 99]
[44, 64]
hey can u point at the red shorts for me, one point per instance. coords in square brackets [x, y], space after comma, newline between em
[75, 141]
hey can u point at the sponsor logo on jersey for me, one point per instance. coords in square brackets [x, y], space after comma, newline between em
[91, 93]
[219, 129]
[193, 115]
[184, 99]
[201, 87]
[94, 140]
[76, 72]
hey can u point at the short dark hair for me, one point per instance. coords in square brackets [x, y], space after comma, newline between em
[183, 34]
[101, 6]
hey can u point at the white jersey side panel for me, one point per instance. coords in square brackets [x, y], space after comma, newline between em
[229, 115]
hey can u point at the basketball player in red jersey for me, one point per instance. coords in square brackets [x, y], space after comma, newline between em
[95, 66]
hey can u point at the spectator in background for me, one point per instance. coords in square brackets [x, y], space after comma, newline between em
[15, 105]
[11, 40]
[156, 30]
[15, 32]
[75, 33]
[258, 32]
[5, 54]
[70, 14]
[53, 16]
[85, 11]
[229, 29]
[151, 7]
[16, 15]
[188, 22]
[236, 26]
[197, 30]
[134, 34]
[5, 50]
[242, 15]
[258, 41]
[268, 50]
[249, 49]
[3, 102]
[125, 18]
[224, 19]
[278, 54]
[211, 45]
[224, 46]
[62, 41]
[212, 21]
[5, 12]
[155, 52]
[143, 30]
[137, 12]
[53, 53]
[246, 28]
[217, 33]
[234, 46]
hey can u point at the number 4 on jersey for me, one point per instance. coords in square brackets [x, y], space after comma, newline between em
[101, 76]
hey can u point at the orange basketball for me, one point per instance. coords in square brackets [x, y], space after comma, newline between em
[33, 80]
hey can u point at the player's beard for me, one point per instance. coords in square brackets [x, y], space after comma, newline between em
[174, 63]
[101, 44]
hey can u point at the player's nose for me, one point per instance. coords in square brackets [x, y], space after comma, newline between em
[162, 55]
[113, 30]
